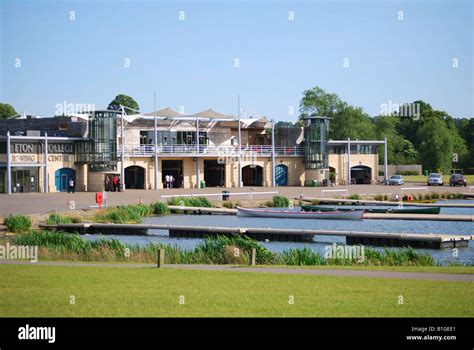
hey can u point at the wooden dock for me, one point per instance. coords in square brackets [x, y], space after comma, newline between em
[374, 216]
[432, 241]
[384, 203]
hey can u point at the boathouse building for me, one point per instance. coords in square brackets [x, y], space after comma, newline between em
[206, 149]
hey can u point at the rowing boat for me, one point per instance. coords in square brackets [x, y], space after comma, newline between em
[379, 210]
[293, 214]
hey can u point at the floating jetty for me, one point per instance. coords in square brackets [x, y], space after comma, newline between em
[390, 203]
[388, 216]
[432, 241]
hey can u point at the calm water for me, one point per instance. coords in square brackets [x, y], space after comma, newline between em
[466, 255]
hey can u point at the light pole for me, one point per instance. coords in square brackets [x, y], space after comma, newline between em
[156, 141]
[122, 154]
[239, 136]
[273, 155]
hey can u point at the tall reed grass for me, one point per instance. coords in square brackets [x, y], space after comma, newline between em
[190, 202]
[212, 250]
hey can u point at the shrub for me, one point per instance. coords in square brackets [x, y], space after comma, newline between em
[18, 223]
[281, 202]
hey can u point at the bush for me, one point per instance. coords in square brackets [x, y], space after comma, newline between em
[281, 202]
[18, 223]
[56, 219]
[160, 208]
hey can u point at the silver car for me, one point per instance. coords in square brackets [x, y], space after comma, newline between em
[396, 180]
[435, 179]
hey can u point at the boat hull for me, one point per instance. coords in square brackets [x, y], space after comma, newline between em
[430, 210]
[290, 214]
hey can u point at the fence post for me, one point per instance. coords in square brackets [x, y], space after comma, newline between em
[253, 257]
[161, 258]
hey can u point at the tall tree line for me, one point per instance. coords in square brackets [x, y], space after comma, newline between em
[431, 137]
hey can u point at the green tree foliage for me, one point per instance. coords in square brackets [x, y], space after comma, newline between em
[7, 111]
[346, 120]
[400, 150]
[126, 101]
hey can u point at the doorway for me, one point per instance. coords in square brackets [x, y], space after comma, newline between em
[173, 168]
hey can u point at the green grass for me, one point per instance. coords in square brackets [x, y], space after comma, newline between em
[422, 178]
[190, 202]
[152, 292]
[17, 223]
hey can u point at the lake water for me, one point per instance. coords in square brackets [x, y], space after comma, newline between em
[465, 255]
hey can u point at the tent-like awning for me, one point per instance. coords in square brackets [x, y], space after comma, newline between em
[212, 114]
[166, 112]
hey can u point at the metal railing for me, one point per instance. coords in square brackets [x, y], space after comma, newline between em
[205, 150]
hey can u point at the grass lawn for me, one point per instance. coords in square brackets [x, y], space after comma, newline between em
[422, 178]
[434, 269]
[35, 290]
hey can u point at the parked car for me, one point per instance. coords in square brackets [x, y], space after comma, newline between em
[435, 179]
[396, 180]
[457, 180]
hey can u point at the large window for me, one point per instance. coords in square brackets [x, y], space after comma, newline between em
[316, 133]
[100, 149]
[173, 137]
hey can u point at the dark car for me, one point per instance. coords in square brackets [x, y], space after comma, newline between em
[457, 180]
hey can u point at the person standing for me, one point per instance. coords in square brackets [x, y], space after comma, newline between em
[119, 185]
[171, 181]
[114, 183]
[107, 184]
[71, 187]
[167, 181]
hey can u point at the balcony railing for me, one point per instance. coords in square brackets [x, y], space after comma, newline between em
[218, 151]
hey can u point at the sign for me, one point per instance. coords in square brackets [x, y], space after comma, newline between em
[53, 148]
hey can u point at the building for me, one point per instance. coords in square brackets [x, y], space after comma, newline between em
[208, 149]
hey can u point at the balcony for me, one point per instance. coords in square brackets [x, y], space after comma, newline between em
[211, 151]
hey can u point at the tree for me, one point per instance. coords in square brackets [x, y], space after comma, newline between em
[346, 120]
[400, 150]
[7, 111]
[436, 147]
[126, 101]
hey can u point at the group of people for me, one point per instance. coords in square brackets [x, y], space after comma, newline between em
[169, 181]
[112, 185]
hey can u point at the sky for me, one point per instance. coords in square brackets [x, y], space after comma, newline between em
[201, 54]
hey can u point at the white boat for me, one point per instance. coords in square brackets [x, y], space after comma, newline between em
[292, 214]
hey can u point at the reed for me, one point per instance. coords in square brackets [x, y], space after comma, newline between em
[354, 196]
[202, 202]
[17, 223]
[124, 214]
[160, 208]
[212, 250]
[280, 202]
[55, 219]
